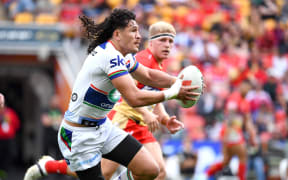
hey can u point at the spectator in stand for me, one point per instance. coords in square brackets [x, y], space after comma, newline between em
[275, 153]
[271, 86]
[210, 106]
[9, 124]
[282, 92]
[51, 120]
[187, 160]
[23, 6]
[283, 43]
[256, 97]
[264, 117]
[204, 48]
[283, 166]
[279, 64]
[268, 9]
[254, 70]
[94, 8]
[217, 77]
[255, 159]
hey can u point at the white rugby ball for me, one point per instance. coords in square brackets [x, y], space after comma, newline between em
[192, 76]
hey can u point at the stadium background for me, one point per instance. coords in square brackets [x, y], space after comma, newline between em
[41, 51]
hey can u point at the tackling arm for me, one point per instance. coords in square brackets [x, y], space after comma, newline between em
[171, 123]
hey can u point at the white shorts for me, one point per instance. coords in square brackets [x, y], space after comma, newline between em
[83, 147]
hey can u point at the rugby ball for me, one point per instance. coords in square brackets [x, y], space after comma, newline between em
[192, 76]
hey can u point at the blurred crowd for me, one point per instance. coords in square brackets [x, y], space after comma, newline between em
[231, 41]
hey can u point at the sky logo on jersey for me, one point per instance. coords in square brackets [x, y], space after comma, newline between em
[117, 62]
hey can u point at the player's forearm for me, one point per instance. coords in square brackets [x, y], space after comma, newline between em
[142, 110]
[144, 98]
[161, 112]
[160, 79]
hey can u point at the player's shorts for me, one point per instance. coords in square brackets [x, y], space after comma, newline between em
[83, 147]
[139, 132]
[232, 137]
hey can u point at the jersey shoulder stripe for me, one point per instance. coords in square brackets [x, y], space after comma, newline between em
[134, 67]
[117, 74]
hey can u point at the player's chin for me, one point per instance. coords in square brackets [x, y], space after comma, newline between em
[135, 50]
[164, 56]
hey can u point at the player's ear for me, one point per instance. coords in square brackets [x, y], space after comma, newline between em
[116, 34]
[150, 43]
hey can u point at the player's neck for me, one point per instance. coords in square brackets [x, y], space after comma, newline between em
[118, 47]
[158, 60]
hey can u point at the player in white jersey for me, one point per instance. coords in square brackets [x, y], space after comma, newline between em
[85, 135]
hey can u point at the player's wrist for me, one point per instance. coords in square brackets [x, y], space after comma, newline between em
[173, 91]
[173, 80]
[165, 120]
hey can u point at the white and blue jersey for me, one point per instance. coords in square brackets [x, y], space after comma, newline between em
[93, 94]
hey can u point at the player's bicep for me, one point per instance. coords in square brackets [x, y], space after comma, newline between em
[141, 74]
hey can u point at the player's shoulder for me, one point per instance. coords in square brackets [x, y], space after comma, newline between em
[130, 56]
[107, 52]
[144, 54]
[144, 57]
[106, 48]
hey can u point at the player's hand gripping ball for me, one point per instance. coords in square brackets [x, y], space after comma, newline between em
[192, 76]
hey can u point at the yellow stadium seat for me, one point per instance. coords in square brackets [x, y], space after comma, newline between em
[244, 7]
[56, 2]
[132, 3]
[269, 24]
[24, 18]
[44, 18]
[181, 11]
[114, 3]
[166, 11]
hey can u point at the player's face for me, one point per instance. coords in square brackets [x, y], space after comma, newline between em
[2, 102]
[161, 47]
[130, 38]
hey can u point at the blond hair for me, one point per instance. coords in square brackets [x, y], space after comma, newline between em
[161, 28]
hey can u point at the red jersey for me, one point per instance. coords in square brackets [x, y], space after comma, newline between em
[147, 59]
[9, 124]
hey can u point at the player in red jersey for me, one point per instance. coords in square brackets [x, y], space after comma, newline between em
[233, 142]
[139, 122]
[9, 125]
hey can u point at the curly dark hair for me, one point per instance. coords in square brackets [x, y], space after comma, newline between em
[102, 32]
